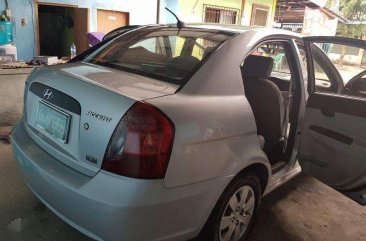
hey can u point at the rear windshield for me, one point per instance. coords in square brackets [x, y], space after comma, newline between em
[167, 54]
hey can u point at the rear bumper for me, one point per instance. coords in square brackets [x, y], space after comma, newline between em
[111, 207]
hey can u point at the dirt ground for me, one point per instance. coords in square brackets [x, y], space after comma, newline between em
[301, 210]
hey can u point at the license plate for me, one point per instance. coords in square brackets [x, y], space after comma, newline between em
[53, 121]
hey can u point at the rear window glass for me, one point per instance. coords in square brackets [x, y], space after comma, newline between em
[167, 54]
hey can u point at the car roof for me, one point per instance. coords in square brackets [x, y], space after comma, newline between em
[223, 27]
[239, 28]
[228, 28]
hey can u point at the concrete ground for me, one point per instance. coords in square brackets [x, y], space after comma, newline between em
[301, 210]
[11, 94]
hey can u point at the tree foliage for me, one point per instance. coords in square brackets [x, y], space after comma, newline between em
[355, 13]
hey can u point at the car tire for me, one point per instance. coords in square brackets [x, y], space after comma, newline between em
[235, 211]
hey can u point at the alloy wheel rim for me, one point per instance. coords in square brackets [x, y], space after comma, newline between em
[237, 214]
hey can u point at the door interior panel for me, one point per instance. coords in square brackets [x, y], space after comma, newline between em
[336, 103]
[332, 146]
[332, 134]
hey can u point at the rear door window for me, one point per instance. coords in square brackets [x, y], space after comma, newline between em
[345, 62]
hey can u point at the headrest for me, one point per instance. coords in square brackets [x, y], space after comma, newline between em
[258, 66]
[180, 66]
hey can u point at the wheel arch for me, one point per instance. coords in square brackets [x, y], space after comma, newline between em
[260, 170]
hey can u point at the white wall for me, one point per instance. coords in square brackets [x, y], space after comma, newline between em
[316, 23]
[165, 17]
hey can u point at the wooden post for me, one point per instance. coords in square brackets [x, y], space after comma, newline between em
[242, 11]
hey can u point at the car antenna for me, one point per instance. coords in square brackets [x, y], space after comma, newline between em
[180, 24]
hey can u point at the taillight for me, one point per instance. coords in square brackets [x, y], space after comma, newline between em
[141, 144]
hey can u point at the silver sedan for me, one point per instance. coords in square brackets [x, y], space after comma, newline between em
[166, 133]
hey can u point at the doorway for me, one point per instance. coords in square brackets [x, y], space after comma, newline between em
[61, 26]
[260, 15]
[109, 20]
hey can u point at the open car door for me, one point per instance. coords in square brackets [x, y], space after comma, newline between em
[333, 141]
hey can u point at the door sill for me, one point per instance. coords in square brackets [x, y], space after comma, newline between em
[278, 167]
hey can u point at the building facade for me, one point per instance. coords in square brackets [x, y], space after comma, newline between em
[314, 17]
[240, 12]
[39, 15]
[50, 27]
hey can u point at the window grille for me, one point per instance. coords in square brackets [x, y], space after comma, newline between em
[218, 14]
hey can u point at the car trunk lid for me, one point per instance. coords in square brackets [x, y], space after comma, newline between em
[93, 99]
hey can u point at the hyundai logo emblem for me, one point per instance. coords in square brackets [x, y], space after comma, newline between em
[47, 94]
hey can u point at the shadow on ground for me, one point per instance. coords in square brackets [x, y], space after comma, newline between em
[268, 226]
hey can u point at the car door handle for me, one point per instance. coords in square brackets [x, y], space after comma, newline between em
[327, 112]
